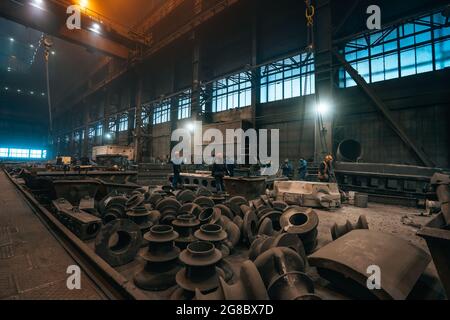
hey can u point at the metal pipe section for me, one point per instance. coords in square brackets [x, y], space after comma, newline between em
[349, 151]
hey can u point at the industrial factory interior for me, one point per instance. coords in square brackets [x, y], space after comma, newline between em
[193, 151]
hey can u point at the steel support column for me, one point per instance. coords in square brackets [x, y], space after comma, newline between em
[138, 116]
[381, 106]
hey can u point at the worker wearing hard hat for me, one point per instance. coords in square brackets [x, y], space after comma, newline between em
[326, 169]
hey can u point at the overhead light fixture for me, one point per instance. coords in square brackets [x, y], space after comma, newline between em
[95, 27]
[11, 39]
[6, 88]
[84, 4]
[31, 92]
[37, 3]
[42, 94]
[9, 69]
[191, 127]
[53, 52]
[19, 91]
[108, 136]
[31, 46]
[323, 108]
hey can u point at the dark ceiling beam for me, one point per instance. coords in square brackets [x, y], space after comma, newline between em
[385, 111]
[52, 20]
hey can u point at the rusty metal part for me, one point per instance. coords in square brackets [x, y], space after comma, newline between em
[118, 242]
[279, 205]
[190, 208]
[274, 216]
[168, 209]
[250, 224]
[308, 194]
[443, 194]
[186, 196]
[155, 198]
[225, 210]
[84, 225]
[141, 216]
[282, 270]
[203, 192]
[263, 211]
[235, 203]
[266, 228]
[87, 204]
[438, 242]
[250, 287]
[161, 260]
[200, 271]
[361, 200]
[345, 263]
[204, 202]
[136, 200]
[232, 230]
[349, 151]
[338, 231]
[240, 223]
[74, 190]
[263, 243]
[185, 226]
[215, 234]
[303, 222]
[249, 188]
[210, 216]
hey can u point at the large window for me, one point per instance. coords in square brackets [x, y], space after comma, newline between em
[161, 113]
[232, 92]
[288, 78]
[91, 133]
[4, 152]
[19, 153]
[14, 153]
[99, 130]
[184, 104]
[112, 124]
[123, 122]
[420, 46]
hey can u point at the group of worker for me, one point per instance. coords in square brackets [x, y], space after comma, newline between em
[221, 168]
[325, 172]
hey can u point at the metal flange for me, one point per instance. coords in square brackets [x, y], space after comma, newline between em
[161, 257]
[210, 216]
[200, 259]
[264, 243]
[249, 287]
[250, 224]
[128, 241]
[185, 225]
[204, 202]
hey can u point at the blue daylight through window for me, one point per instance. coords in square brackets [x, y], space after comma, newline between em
[19, 153]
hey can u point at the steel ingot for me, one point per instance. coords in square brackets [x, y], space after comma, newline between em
[282, 270]
[118, 242]
[190, 208]
[250, 287]
[136, 200]
[225, 211]
[185, 225]
[161, 257]
[250, 224]
[345, 262]
[200, 259]
[264, 243]
[210, 216]
[303, 222]
[186, 196]
[338, 231]
[204, 202]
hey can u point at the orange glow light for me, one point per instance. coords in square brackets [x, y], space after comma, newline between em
[84, 4]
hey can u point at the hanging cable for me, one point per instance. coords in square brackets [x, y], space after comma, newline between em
[48, 43]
